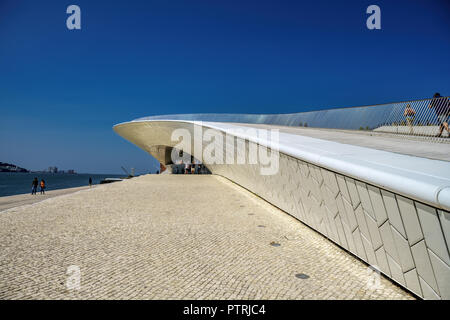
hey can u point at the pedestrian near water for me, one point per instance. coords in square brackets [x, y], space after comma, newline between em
[42, 186]
[34, 186]
[90, 182]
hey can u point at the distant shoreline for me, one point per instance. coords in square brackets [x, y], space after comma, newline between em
[9, 167]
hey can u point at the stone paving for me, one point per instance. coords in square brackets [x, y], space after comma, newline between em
[173, 237]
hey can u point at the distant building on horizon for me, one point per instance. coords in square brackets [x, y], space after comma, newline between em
[53, 169]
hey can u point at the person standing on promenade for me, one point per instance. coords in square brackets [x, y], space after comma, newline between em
[34, 186]
[441, 106]
[42, 186]
[90, 182]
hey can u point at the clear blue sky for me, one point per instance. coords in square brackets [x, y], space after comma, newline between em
[61, 91]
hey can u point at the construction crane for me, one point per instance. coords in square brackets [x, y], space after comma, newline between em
[128, 174]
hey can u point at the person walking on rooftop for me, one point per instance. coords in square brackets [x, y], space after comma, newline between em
[34, 186]
[410, 114]
[441, 106]
[42, 186]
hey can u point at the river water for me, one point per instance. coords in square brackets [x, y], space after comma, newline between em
[12, 183]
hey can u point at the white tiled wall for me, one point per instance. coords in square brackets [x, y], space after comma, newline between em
[407, 240]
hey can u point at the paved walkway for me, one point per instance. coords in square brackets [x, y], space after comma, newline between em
[172, 237]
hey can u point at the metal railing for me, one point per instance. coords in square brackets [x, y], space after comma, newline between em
[409, 118]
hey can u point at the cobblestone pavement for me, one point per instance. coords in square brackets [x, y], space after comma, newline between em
[173, 237]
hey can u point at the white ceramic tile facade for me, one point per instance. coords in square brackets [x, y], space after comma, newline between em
[388, 240]
[412, 282]
[428, 292]
[423, 264]
[392, 211]
[432, 230]
[396, 271]
[404, 252]
[444, 218]
[364, 197]
[352, 191]
[410, 219]
[382, 261]
[377, 204]
[442, 272]
[374, 232]
[374, 224]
